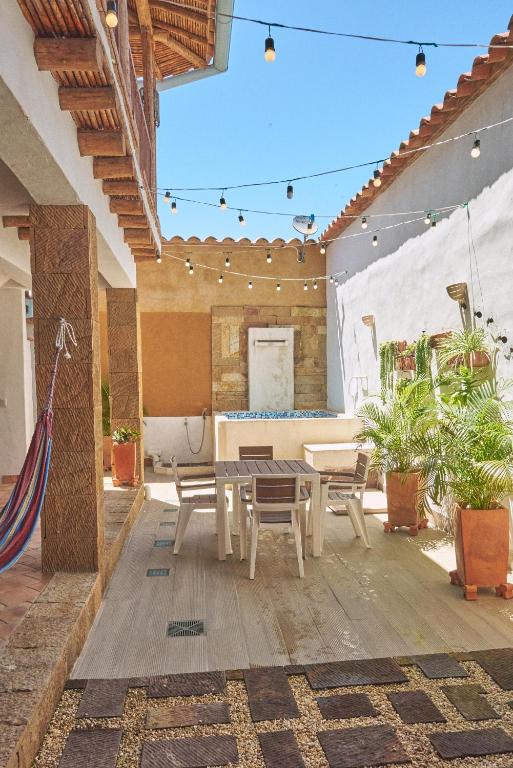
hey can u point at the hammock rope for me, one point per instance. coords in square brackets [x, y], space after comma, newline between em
[19, 517]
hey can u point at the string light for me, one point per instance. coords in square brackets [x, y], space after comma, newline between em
[250, 284]
[290, 192]
[375, 241]
[220, 279]
[191, 270]
[331, 279]
[433, 221]
[222, 202]
[322, 249]
[420, 63]
[305, 286]
[364, 222]
[111, 17]
[336, 283]
[242, 220]
[167, 197]
[476, 149]
[270, 51]
[377, 179]
[278, 287]
[315, 285]
[159, 258]
[188, 263]
[269, 257]
[174, 210]
[227, 261]
[427, 218]
[376, 161]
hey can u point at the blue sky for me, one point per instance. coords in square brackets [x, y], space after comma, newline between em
[325, 102]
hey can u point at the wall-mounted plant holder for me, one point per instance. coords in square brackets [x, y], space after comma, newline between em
[459, 292]
[369, 321]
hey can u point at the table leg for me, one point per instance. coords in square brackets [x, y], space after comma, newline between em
[236, 510]
[316, 517]
[221, 520]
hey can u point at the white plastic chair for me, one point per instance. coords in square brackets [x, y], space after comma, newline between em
[275, 500]
[346, 489]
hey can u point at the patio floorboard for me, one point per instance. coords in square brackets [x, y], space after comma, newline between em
[392, 600]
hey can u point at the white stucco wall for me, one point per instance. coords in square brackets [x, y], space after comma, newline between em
[167, 435]
[16, 405]
[402, 281]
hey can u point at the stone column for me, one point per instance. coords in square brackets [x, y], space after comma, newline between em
[125, 370]
[65, 284]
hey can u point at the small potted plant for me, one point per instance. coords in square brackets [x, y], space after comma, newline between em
[395, 428]
[471, 458]
[107, 437]
[464, 348]
[405, 360]
[124, 456]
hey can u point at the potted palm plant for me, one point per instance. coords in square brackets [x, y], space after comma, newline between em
[470, 457]
[396, 428]
[124, 456]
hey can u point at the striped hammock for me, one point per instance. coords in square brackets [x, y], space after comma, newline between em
[20, 516]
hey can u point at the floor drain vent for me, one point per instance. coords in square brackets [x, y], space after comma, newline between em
[186, 628]
[157, 572]
[163, 542]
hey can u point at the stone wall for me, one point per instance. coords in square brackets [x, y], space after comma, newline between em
[230, 353]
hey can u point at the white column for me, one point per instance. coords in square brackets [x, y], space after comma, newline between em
[16, 400]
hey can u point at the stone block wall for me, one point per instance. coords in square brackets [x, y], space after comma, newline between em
[230, 353]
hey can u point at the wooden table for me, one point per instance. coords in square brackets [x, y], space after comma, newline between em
[237, 473]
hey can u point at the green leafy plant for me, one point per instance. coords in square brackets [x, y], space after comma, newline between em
[387, 352]
[470, 453]
[460, 348]
[396, 427]
[126, 435]
[423, 352]
[105, 409]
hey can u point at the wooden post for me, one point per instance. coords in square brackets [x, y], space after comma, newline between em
[125, 370]
[65, 284]
[148, 61]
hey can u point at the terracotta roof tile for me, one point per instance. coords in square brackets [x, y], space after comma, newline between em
[485, 70]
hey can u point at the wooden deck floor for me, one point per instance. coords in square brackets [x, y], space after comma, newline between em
[394, 599]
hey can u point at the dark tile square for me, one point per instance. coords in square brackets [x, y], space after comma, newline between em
[157, 572]
[358, 747]
[499, 665]
[187, 715]
[436, 666]
[415, 707]
[103, 698]
[92, 748]
[280, 750]
[163, 542]
[357, 672]
[167, 523]
[346, 706]
[490, 741]
[470, 702]
[193, 752]
[188, 684]
[270, 696]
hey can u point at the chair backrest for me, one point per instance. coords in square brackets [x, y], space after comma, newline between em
[361, 471]
[255, 452]
[279, 490]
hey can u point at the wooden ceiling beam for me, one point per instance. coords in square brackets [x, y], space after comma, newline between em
[136, 222]
[113, 168]
[138, 236]
[68, 54]
[24, 233]
[16, 221]
[101, 143]
[123, 205]
[121, 188]
[87, 99]
[174, 45]
[177, 10]
[170, 28]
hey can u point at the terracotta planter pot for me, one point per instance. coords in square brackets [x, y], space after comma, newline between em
[437, 339]
[107, 452]
[477, 360]
[124, 459]
[405, 363]
[403, 502]
[482, 549]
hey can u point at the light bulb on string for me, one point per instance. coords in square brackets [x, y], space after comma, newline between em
[336, 283]
[377, 179]
[111, 17]
[158, 258]
[174, 210]
[364, 222]
[322, 249]
[476, 149]
[290, 191]
[270, 51]
[433, 221]
[331, 279]
[227, 261]
[167, 197]
[191, 270]
[315, 285]
[305, 286]
[427, 218]
[250, 284]
[420, 63]
[187, 263]
[375, 241]
[222, 201]
[242, 220]
[278, 287]
[220, 279]
[269, 257]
